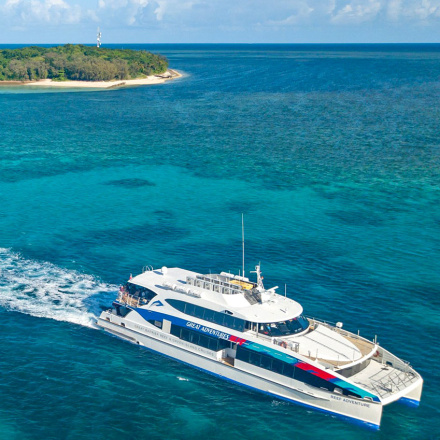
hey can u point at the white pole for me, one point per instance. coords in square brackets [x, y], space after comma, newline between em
[242, 238]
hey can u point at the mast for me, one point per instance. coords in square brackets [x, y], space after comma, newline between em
[98, 38]
[242, 238]
[260, 284]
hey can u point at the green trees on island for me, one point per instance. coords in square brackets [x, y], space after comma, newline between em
[78, 62]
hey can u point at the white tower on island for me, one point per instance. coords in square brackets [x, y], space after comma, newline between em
[98, 39]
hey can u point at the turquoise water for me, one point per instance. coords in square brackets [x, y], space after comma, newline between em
[331, 152]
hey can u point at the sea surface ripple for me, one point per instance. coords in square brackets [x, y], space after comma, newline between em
[332, 154]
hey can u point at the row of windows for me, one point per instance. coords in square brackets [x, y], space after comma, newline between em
[265, 361]
[197, 338]
[284, 328]
[280, 367]
[219, 318]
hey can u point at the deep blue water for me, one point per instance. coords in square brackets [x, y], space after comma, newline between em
[331, 152]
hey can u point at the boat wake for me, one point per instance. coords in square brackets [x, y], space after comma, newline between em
[45, 290]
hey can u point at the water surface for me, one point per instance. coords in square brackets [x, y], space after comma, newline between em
[332, 154]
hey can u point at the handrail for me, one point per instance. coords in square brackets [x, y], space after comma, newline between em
[131, 300]
[294, 346]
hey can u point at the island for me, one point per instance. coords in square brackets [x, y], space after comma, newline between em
[76, 65]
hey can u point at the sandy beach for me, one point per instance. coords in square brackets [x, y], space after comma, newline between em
[153, 79]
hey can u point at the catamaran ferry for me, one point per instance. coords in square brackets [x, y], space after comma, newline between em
[236, 329]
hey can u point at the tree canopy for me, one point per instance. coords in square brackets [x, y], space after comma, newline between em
[78, 62]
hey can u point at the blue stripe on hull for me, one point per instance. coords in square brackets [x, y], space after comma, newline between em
[151, 314]
[409, 402]
[353, 420]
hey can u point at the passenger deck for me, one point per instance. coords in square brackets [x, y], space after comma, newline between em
[384, 380]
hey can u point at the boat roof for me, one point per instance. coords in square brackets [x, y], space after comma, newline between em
[191, 287]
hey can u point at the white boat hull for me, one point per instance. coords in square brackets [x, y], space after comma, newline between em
[358, 410]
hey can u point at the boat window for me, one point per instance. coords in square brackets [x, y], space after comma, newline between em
[203, 341]
[189, 309]
[228, 321]
[198, 312]
[184, 334]
[288, 370]
[213, 344]
[219, 318]
[284, 328]
[237, 324]
[223, 343]
[209, 315]
[313, 380]
[180, 306]
[242, 355]
[121, 310]
[155, 323]
[194, 337]
[175, 330]
[266, 362]
[254, 358]
[269, 363]
[277, 366]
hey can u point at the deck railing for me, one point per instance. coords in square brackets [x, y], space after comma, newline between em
[130, 300]
[290, 345]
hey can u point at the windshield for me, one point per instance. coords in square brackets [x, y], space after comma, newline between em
[284, 328]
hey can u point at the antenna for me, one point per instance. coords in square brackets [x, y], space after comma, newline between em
[242, 238]
[259, 277]
[98, 38]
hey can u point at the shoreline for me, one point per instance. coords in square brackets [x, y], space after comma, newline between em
[170, 74]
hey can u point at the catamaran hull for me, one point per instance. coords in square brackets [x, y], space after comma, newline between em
[357, 410]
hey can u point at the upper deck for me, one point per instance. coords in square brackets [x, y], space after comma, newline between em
[238, 295]
[265, 313]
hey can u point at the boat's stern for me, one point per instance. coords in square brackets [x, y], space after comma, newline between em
[412, 397]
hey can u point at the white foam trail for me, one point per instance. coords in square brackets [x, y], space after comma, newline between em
[44, 290]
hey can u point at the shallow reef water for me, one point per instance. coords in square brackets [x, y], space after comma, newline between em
[332, 154]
